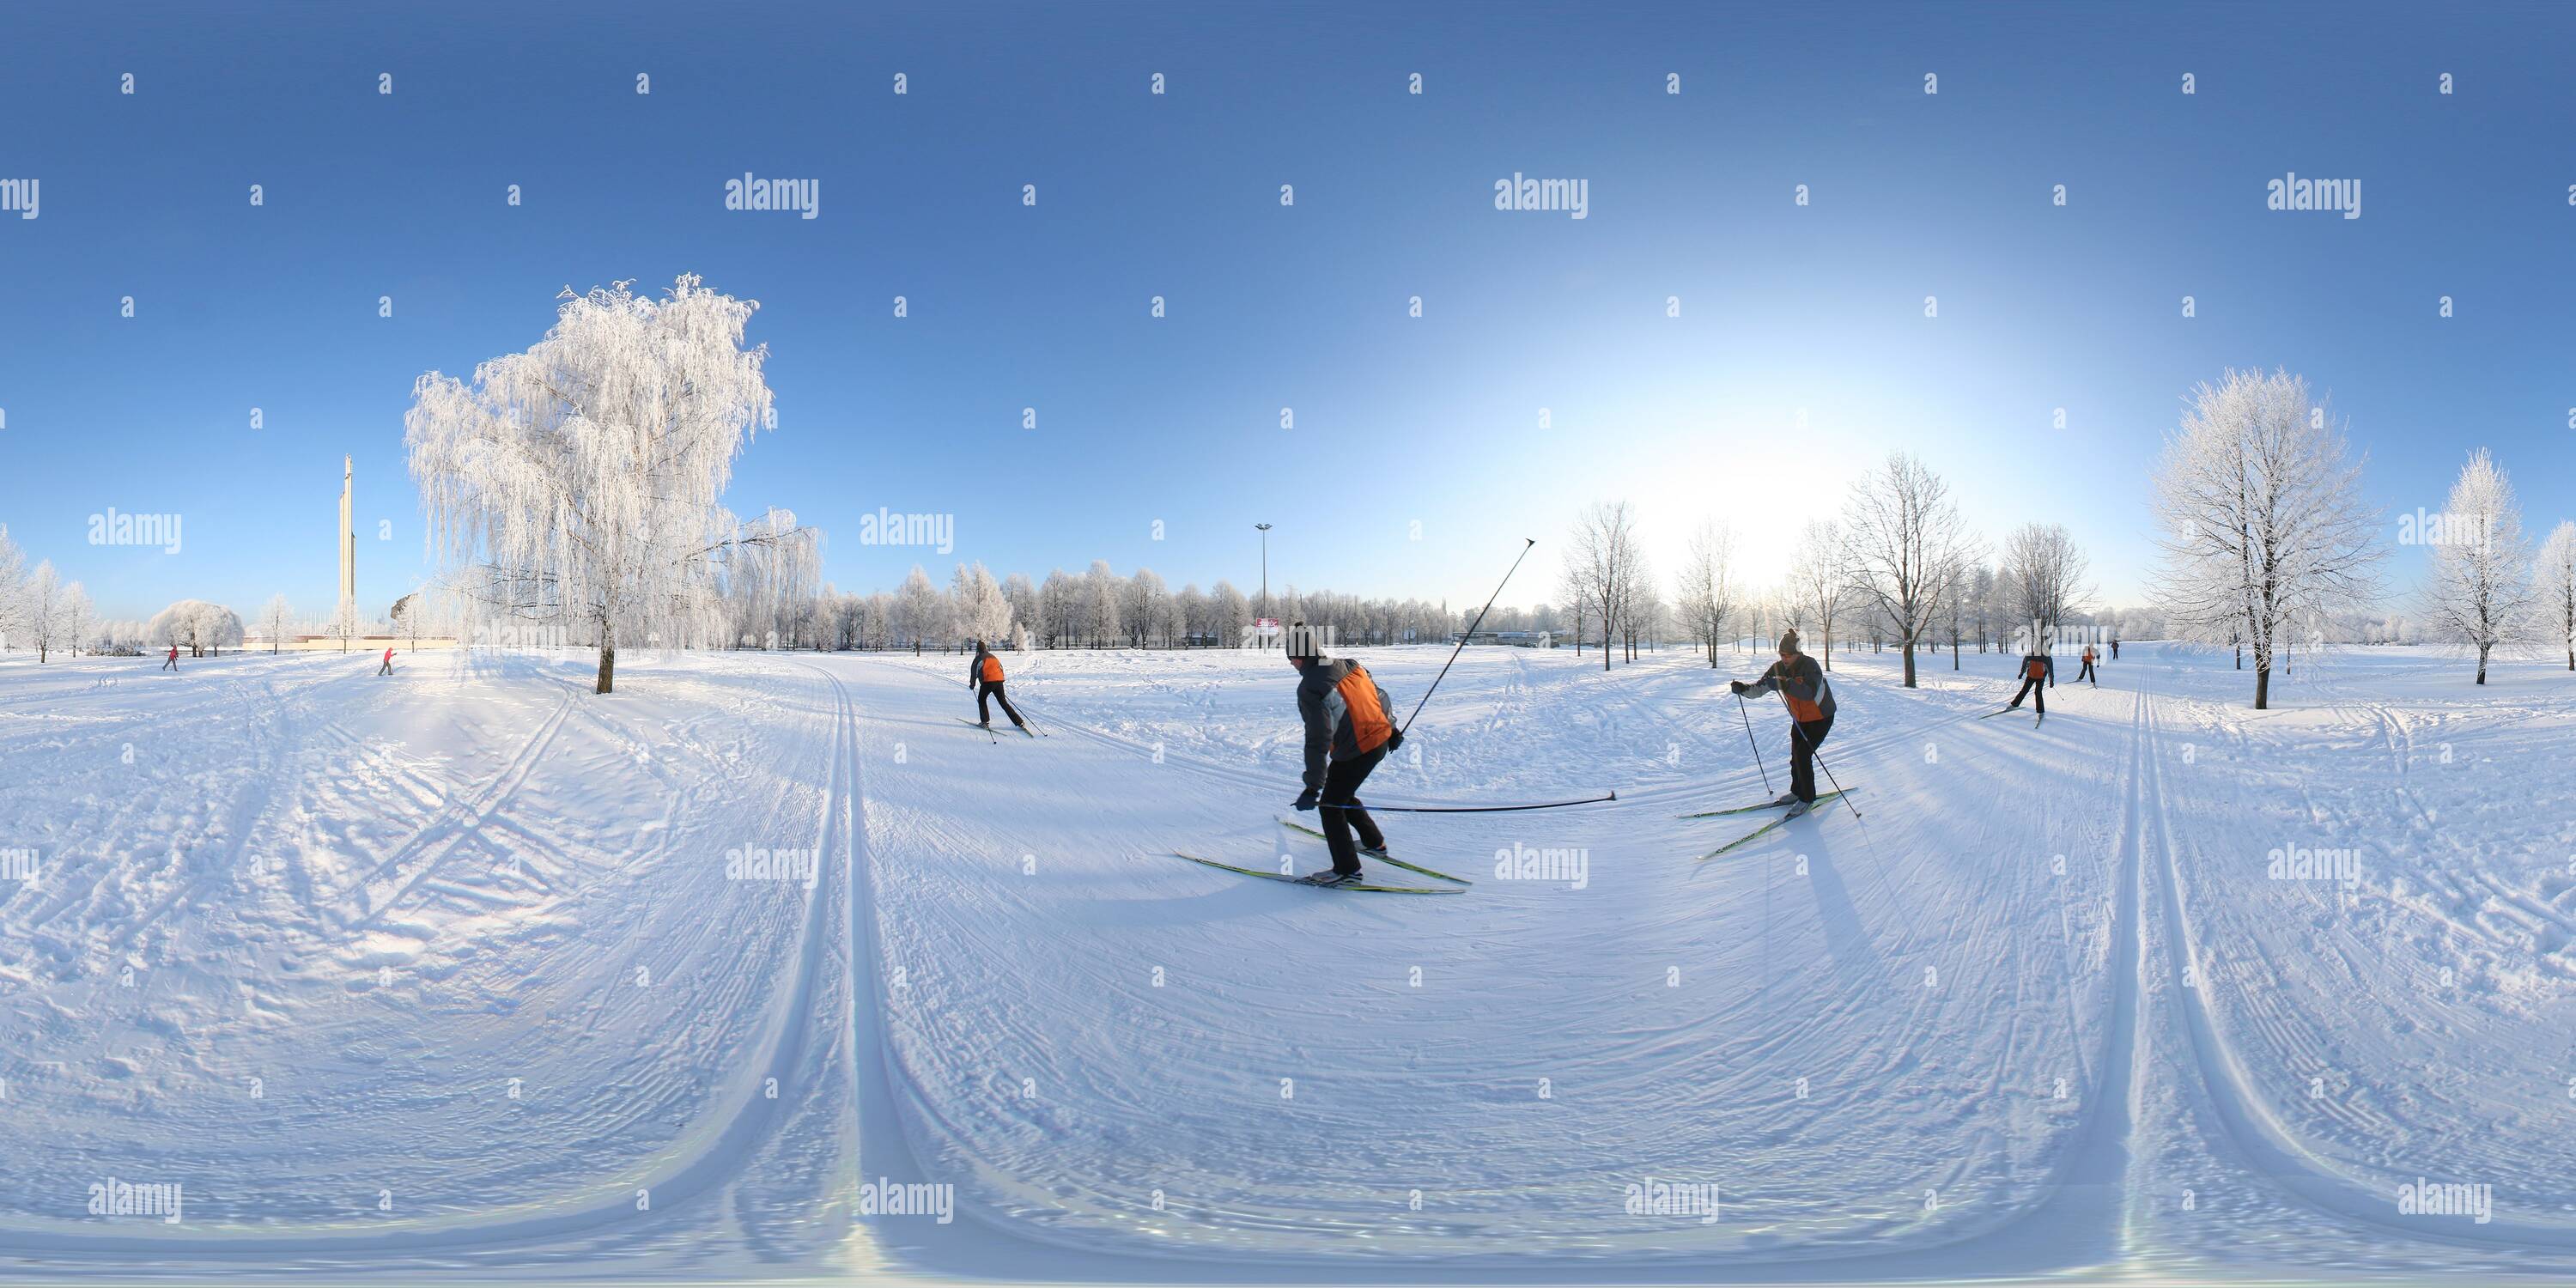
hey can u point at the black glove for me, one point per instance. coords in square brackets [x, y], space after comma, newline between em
[1394, 739]
[1737, 686]
[1306, 799]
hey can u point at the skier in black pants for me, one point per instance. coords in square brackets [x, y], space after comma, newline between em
[1802, 685]
[2087, 675]
[2035, 667]
[1348, 732]
[984, 676]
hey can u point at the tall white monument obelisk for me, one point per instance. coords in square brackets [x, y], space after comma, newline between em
[348, 611]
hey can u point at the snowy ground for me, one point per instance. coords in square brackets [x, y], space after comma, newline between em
[296, 933]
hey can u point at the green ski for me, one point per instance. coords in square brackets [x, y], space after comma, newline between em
[1273, 876]
[1821, 798]
[1380, 855]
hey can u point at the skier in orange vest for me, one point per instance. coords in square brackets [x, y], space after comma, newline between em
[984, 676]
[2087, 674]
[1348, 731]
[2035, 667]
[1810, 697]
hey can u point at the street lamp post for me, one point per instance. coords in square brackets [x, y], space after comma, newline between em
[1264, 611]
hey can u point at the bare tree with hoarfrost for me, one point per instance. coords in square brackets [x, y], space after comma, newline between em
[274, 618]
[1902, 547]
[78, 615]
[41, 600]
[2481, 591]
[2558, 586]
[1598, 568]
[1817, 584]
[1708, 596]
[2042, 581]
[2263, 518]
[582, 477]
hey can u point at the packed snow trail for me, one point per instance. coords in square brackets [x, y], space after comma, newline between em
[1267, 1061]
[388, 899]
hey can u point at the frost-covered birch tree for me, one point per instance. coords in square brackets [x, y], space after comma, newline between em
[274, 619]
[983, 612]
[43, 599]
[582, 477]
[2558, 586]
[2263, 518]
[2480, 591]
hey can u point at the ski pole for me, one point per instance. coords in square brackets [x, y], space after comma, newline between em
[1468, 809]
[1839, 793]
[1527, 542]
[1756, 743]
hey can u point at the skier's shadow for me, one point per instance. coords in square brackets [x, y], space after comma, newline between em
[1846, 939]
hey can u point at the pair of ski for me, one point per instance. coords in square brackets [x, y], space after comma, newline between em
[988, 729]
[1992, 714]
[1369, 888]
[1758, 832]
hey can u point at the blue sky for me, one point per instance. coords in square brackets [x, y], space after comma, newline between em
[1400, 421]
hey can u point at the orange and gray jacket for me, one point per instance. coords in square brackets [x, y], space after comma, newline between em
[985, 669]
[1802, 682]
[2039, 666]
[1345, 711]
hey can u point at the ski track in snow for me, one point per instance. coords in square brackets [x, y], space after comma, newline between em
[1136, 1068]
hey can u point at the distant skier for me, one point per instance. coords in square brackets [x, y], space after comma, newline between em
[2087, 674]
[2035, 667]
[173, 663]
[388, 667]
[1348, 731]
[984, 676]
[1801, 683]
[2115, 648]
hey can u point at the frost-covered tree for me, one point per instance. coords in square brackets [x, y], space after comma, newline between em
[582, 477]
[1231, 611]
[78, 616]
[1818, 583]
[194, 625]
[13, 596]
[2480, 591]
[1600, 568]
[274, 618]
[2558, 586]
[2263, 518]
[1100, 602]
[1706, 597]
[982, 611]
[1902, 546]
[42, 597]
[920, 613]
[2042, 582]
